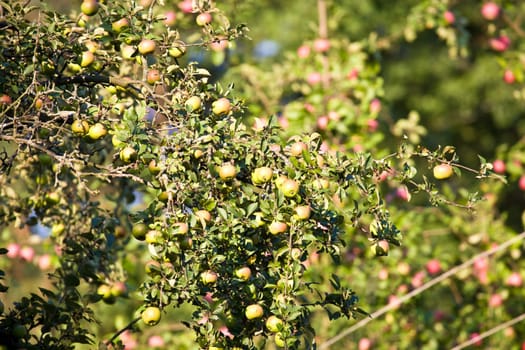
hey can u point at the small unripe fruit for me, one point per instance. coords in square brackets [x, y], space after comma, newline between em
[227, 172]
[151, 315]
[97, 131]
[274, 324]
[80, 127]
[442, 171]
[254, 311]
[19, 331]
[147, 46]
[139, 231]
[128, 154]
[89, 7]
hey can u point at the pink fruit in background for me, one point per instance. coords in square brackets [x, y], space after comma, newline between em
[322, 122]
[514, 280]
[171, 18]
[417, 279]
[219, 44]
[203, 19]
[498, 166]
[353, 74]
[403, 268]
[314, 78]
[495, 300]
[490, 10]
[521, 183]
[27, 253]
[433, 266]
[402, 193]
[375, 106]
[372, 124]
[364, 344]
[303, 51]
[12, 250]
[481, 264]
[321, 45]
[155, 341]
[44, 262]
[474, 336]
[186, 6]
[509, 77]
[449, 17]
[500, 43]
[394, 301]
[383, 274]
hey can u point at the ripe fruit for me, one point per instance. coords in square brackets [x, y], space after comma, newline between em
[227, 172]
[442, 171]
[154, 167]
[277, 227]
[153, 76]
[499, 166]
[203, 19]
[5, 100]
[303, 212]
[500, 43]
[194, 103]
[97, 131]
[321, 45]
[449, 17]
[80, 127]
[119, 289]
[297, 149]
[253, 311]
[274, 324]
[262, 175]
[209, 277]
[222, 106]
[147, 46]
[89, 7]
[243, 273]
[521, 183]
[151, 315]
[128, 154]
[105, 292]
[490, 11]
[433, 266]
[120, 25]
[87, 58]
[180, 228]
[176, 51]
[509, 77]
[380, 248]
[290, 188]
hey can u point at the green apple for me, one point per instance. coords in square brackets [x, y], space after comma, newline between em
[243, 273]
[89, 7]
[193, 103]
[222, 106]
[442, 171]
[128, 154]
[227, 172]
[274, 324]
[139, 231]
[253, 311]
[151, 315]
[290, 188]
[262, 175]
[119, 25]
[277, 227]
[209, 277]
[303, 212]
[87, 58]
[97, 131]
[80, 127]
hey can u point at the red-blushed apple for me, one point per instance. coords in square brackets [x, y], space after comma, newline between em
[433, 267]
[521, 183]
[27, 254]
[153, 76]
[297, 148]
[13, 249]
[194, 103]
[303, 51]
[417, 279]
[383, 274]
[393, 300]
[495, 300]
[321, 45]
[380, 248]
[372, 125]
[87, 58]
[119, 25]
[442, 171]
[203, 19]
[449, 17]
[314, 78]
[403, 268]
[219, 44]
[209, 277]
[180, 228]
[364, 344]
[262, 175]
[290, 188]
[303, 212]
[147, 46]
[277, 227]
[490, 10]
[244, 273]
[514, 280]
[254, 311]
[203, 215]
[171, 18]
[89, 7]
[222, 106]
[5, 100]
[44, 262]
[500, 43]
[509, 77]
[353, 74]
